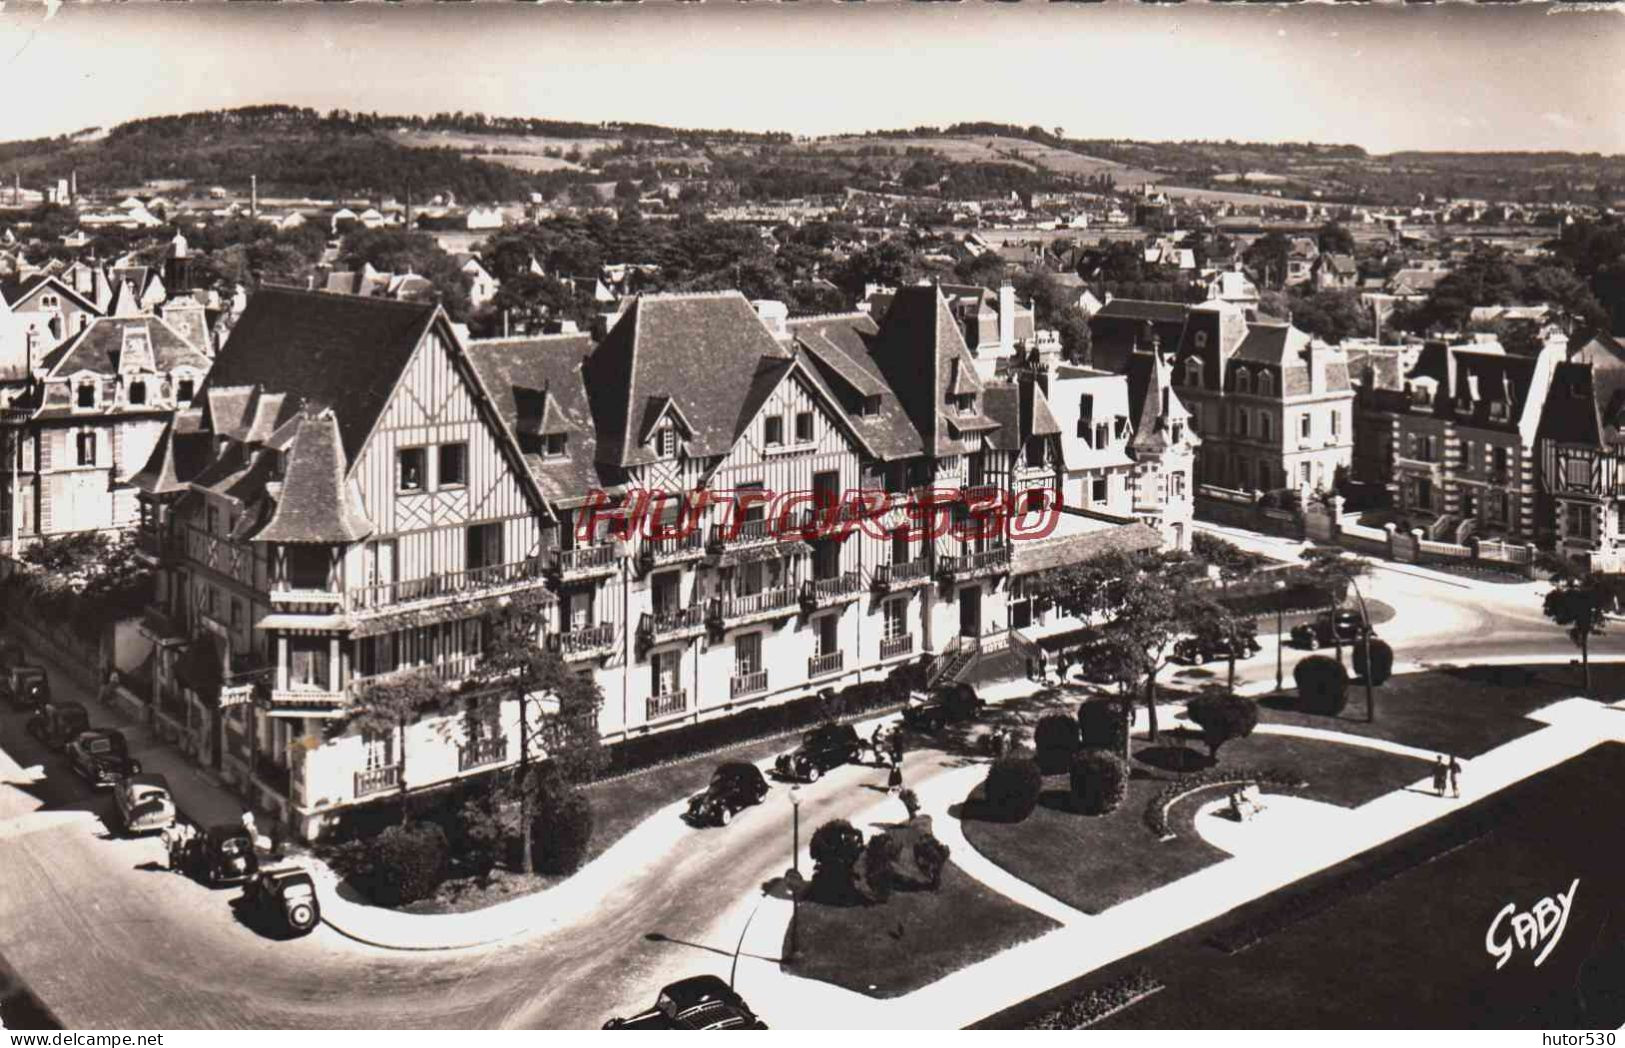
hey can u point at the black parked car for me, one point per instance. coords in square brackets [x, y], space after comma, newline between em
[1196, 650]
[1327, 628]
[949, 704]
[222, 854]
[26, 686]
[59, 723]
[826, 746]
[703, 1002]
[734, 786]
[284, 899]
[102, 756]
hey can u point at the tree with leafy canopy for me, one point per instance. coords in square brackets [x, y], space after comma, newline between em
[392, 703]
[1267, 256]
[1334, 238]
[1222, 718]
[1579, 603]
[558, 709]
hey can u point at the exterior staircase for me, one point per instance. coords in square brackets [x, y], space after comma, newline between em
[955, 660]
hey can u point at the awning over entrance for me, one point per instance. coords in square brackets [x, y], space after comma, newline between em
[1079, 546]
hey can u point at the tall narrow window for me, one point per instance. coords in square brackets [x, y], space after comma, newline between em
[747, 654]
[829, 634]
[137, 395]
[87, 449]
[773, 431]
[896, 618]
[409, 464]
[804, 427]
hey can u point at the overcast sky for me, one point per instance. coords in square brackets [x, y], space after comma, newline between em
[1386, 77]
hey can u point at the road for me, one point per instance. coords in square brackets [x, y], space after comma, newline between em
[109, 939]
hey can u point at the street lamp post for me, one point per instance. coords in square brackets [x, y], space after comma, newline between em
[795, 866]
[1365, 638]
[1280, 616]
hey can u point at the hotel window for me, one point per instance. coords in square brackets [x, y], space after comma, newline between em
[87, 395]
[1193, 372]
[896, 618]
[899, 546]
[773, 431]
[1266, 384]
[1241, 422]
[1103, 436]
[380, 748]
[453, 465]
[1577, 472]
[1499, 461]
[1100, 489]
[87, 449]
[1303, 472]
[308, 662]
[747, 654]
[804, 427]
[1035, 451]
[553, 445]
[666, 665]
[184, 390]
[409, 463]
[1176, 485]
[1244, 381]
[137, 394]
[666, 442]
[1264, 425]
[1305, 423]
[1337, 423]
[829, 634]
[1579, 524]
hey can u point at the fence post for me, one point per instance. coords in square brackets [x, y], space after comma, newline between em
[1416, 543]
[1529, 565]
[1389, 529]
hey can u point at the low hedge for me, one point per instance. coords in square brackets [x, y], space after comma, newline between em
[399, 866]
[1092, 1006]
[1156, 809]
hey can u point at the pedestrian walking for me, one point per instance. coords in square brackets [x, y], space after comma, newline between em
[877, 743]
[894, 782]
[176, 839]
[1455, 776]
[250, 827]
[1440, 773]
[897, 745]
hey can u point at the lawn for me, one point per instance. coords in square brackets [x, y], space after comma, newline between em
[1095, 862]
[1464, 711]
[1400, 942]
[911, 940]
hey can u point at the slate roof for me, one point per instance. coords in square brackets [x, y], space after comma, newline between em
[1375, 368]
[1416, 281]
[1483, 378]
[1043, 554]
[319, 350]
[854, 337]
[99, 346]
[316, 503]
[917, 347]
[180, 455]
[16, 291]
[537, 386]
[709, 352]
[1143, 309]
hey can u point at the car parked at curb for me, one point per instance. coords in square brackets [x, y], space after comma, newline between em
[702, 1002]
[1328, 628]
[59, 723]
[826, 746]
[945, 705]
[283, 898]
[222, 854]
[734, 787]
[1193, 651]
[102, 756]
[143, 803]
[25, 685]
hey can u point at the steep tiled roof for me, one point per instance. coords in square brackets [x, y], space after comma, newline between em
[708, 352]
[316, 503]
[890, 432]
[1142, 309]
[1485, 378]
[99, 346]
[1575, 409]
[179, 456]
[918, 348]
[1002, 401]
[321, 350]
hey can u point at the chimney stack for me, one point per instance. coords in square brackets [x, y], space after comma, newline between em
[1007, 318]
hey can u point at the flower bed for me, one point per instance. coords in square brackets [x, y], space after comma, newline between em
[1089, 1008]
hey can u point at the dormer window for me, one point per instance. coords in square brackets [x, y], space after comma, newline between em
[1244, 381]
[554, 444]
[137, 394]
[86, 394]
[870, 406]
[966, 403]
[1193, 372]
[665, 443]
[1498, 409]
[184, 389]
[1266, 384]
[50, 302]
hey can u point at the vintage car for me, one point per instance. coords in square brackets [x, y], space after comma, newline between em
[1193, 651]
[283, 898]
[734, 786]
[702, 1002]
[26, 685]
[1328, 628]
[948, 704]
[221, 855]
[142, 803]
[59, 723]
[102, 756]
[826, 746]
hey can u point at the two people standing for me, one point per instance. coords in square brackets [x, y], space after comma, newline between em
[1446, 775]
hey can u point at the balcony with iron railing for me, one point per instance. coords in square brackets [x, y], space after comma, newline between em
[668, 705]
[585, 642]
[753, 607]
[744, 685]
[662, 626]
[793, 527]
[658, 552]
[584, 562]
[901, 576]
[897, 647]
[449, 670]
[824, 593]
[995, 560]
[824, 665]
[477, 753]
[377, 780]
[489, 580]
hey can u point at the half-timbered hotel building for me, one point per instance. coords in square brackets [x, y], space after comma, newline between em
[1580, 445]
[354, 490]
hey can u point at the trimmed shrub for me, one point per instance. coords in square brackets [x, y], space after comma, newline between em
[931, 857]
[1323, 685]
[911, 802]
[1011, 788]
[1099, 782]
[1101, 725]
[561, 831]
[904, 858]
[880, 858]
[836, 848]
[1222, 718]
[1055, 739]
[399, 866]
[1381, 665]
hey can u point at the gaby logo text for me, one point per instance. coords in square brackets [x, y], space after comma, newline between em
[1541, 926]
